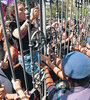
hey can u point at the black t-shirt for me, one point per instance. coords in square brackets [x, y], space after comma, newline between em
[25, 40]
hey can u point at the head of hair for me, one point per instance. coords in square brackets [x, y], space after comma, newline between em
[11, 10]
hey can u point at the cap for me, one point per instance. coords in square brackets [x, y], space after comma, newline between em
[76, 65]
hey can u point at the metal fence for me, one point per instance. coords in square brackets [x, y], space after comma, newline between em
[77, 13]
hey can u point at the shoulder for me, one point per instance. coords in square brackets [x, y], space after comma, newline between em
[53, 92]
[13, 25]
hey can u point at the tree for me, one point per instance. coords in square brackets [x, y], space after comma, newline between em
[54, 10]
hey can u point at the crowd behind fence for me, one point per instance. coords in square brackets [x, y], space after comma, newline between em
[48, 36]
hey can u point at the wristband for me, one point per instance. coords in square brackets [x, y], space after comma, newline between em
[47, 78]
[58, 72]
[50, 83]
[45, 69]
[47, 73]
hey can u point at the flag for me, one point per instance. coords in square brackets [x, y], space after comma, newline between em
[4, 14]
[6, 2]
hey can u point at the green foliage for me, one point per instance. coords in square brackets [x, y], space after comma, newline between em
[54, 10]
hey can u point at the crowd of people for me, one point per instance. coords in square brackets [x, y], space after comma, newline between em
[72, 68]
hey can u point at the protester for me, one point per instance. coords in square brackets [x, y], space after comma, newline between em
[76, 69]
[24, 34]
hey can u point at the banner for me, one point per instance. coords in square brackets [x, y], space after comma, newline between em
[6, 2]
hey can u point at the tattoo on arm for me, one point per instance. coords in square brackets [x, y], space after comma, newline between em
[23, 32]
[14, 59]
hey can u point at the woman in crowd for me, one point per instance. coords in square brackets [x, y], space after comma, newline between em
[24, 34]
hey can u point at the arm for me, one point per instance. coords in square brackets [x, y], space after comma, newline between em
[69, 38]
[10, 96]
[23, 29]
[4, 94]
[56, 70]
[57, 61]
[17, 65]
[52, 90]
[4, 63]
[55, 25]
[78, 47]
[14, 56]
[48, 78]
[17, 87]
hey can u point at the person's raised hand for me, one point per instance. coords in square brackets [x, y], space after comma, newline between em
[2, 92]
[45, 59]
[34, 13]
[16, 84]
[55, 25]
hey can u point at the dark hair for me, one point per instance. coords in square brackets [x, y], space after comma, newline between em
[11, 8]
[80, 82]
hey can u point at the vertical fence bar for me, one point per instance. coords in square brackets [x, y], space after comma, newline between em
[61, 29]
[40, 85]
[81, 18]
[20, 42]
[74, 18]
[7, 44]
[83, 8]
[36, 4]
[51, 30]
[76, 21]
[78, 6]
[58, 20]
[45, 44]
[86, 17]
[41, 28]
[50, 24]
[50, 14]
[29, 34]
[86, 20]
[70, 24]
[57, 12]
[44, 24]
[66, 26]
